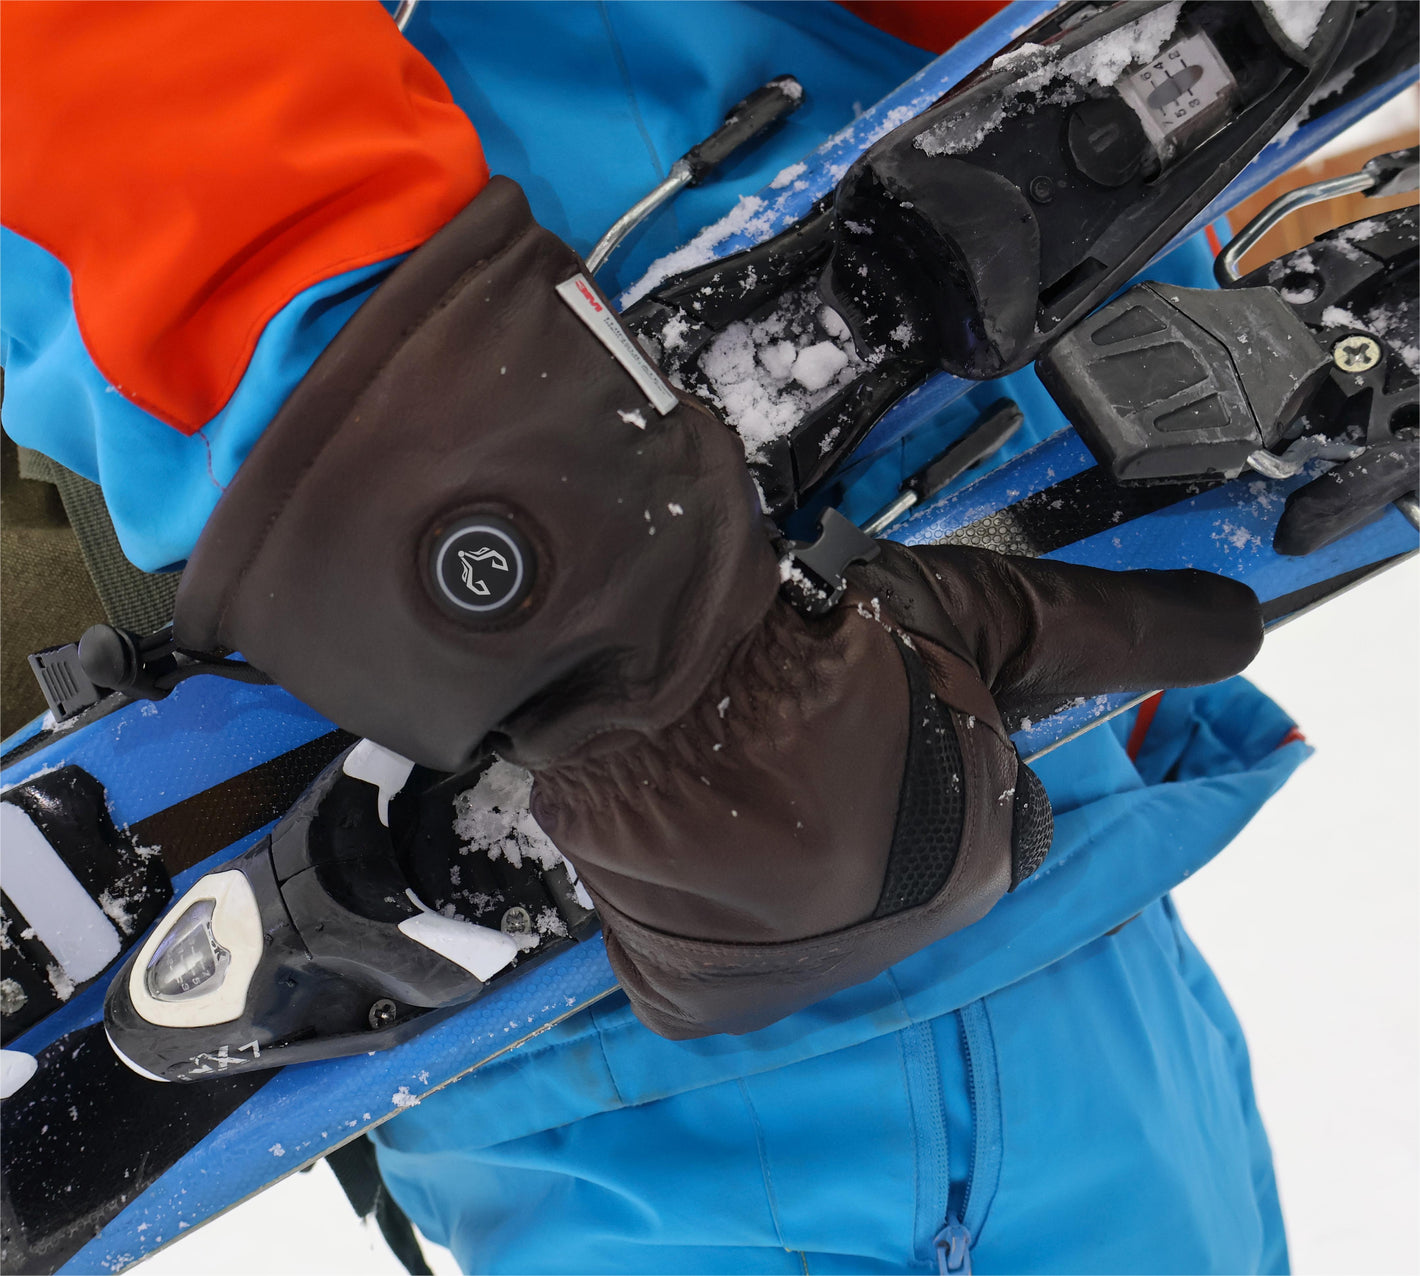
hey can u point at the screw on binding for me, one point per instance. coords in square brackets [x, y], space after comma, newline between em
[1356, 353]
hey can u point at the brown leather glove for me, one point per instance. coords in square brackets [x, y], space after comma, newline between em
[845, 792]
[471, 523]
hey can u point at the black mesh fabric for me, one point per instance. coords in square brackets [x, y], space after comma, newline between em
[131, 598]
[1034, 825]
[931, 804]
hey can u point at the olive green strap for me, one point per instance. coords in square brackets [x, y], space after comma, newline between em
[131, 599]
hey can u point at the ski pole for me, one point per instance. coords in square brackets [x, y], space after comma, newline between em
[746, 120]
[1001, 420]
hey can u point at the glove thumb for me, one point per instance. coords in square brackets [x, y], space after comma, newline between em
[1043, 633]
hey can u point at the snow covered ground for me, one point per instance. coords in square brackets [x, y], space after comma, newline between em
[1311, 919]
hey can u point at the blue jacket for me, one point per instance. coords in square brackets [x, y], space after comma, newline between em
[1065, 1079]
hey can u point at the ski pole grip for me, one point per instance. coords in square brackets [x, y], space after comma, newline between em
[746, 120]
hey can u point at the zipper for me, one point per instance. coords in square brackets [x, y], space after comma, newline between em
[953, 1242]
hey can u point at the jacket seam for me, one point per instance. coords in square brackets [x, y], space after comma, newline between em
[766, 1174]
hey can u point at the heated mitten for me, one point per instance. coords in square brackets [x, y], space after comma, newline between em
[485, 520]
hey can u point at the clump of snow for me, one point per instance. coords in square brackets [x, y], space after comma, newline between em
[402, 1098]
[778, 359]
[1346, 239]
[1298, 19]
[1106, 59]
[818, 365]
[492, 818]
[673, 333]
[276, 1150]
[1024, 57]
[525, 940]
[786, 176]
[12, 996]
[633, 418]
[1296, 277]
[1298, 296]
[1340, 317]
[1237, 537]
[766, 374]
[59, 981]
[748, 217]
[959, 135]
[1365, 229]
[833, 323]
[119, 911]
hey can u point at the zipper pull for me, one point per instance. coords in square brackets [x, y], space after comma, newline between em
[953, 1244]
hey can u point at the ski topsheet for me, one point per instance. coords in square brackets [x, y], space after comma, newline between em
[102, 1167]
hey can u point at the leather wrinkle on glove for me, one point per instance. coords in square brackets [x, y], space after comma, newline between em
[766, 807]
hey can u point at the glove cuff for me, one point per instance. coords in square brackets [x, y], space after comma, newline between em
[470, 516]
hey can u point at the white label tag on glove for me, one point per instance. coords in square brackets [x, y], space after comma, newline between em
[578, 293]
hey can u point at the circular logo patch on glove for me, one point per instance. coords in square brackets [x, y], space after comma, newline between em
[482, 566]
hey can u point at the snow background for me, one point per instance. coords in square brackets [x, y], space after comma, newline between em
[1311, 920]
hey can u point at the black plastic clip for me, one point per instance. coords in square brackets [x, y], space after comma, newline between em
[68, 690]
[128, 662]
[815, 581]
[74, 677]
